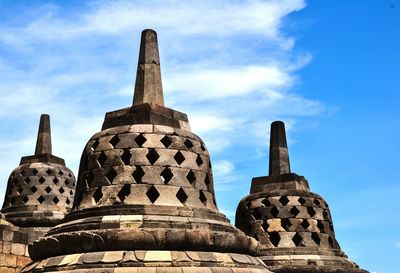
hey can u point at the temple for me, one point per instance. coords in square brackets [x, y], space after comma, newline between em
[40, 192]
[293, 225]
[144, 202]
[145, 196]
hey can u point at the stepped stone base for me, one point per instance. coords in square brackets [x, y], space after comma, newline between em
[14, 246]
[150, 261]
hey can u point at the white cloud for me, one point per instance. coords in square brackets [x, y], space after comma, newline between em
[223, 167]
[250, 17]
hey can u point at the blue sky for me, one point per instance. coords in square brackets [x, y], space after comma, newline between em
[329, 69]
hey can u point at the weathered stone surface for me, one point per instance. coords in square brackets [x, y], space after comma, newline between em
[41, 190]
[293, 224]
[145, 196]
[39, 194]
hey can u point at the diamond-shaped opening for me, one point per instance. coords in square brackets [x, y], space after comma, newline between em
[101, 159]
[166, 141]
[284, 200]
[70, 175]
[202, 147]
[166, 175]
[97, 194]
[265, 226]
[68, 201]
[25, 199]
[152, 156]
[179, 158]
[321, 226]
[191, 177]
[33, 189]
[140, 140]
[188, 144]
[95, 144]
[311, 211]
[67, 182]
[41, 199]
[20, 190]
[111, 175]
[181, 195]
[248, 204]
[330, 241]
[48, 171]
[199, 161]
[302, 201]
[203, 198]
[27, 180]
[325, 214]
[266, 202]
[152, 194]
[34, 171]
[316, 238]
[207, 180]
[257, 214]
[61, 173]
[286, 224]
[124, 192]
[114, 141]
[61, 190]
[274, 212]
[56, 200]
[48, 189]
[305, 224]
[126, 157]
[41, 180]
[294, 211]
[71, 192]
[317, 202]
[138, 174]
[297, 239]
[275, 238]
[55, 180]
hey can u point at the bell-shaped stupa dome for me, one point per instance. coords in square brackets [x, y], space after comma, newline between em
[145, 196]
[293, 225]
[40, 191]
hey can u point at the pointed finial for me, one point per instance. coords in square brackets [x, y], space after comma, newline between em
[148, 86]
[278, 151]
[43, 143]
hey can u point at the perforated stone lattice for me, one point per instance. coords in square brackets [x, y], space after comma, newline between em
[174, 169]
[290, 221]
[40, 184]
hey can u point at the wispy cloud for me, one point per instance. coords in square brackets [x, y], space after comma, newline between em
[231, 71]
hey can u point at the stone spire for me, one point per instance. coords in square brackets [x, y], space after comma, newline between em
[293, 225]
[43, 143]
[278, 151]
[148, 87]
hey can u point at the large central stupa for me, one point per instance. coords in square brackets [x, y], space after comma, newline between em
[145, 198]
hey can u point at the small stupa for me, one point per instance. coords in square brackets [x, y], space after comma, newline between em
[39, 193]
[293, 225]
[145, 197]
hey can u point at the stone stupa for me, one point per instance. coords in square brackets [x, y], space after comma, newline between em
[293, 225]
[39, 193]
[145, 197]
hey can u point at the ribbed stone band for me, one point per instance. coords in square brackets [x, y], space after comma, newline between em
[150, 261]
